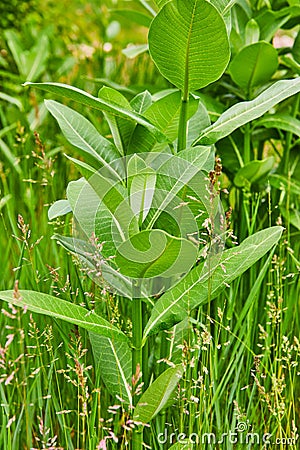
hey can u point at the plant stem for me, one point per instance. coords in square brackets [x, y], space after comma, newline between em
[145, 349]
[137, 335]
[288, 139]
[247, 144]
[183, 120]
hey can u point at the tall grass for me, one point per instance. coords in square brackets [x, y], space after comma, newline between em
[241, 352]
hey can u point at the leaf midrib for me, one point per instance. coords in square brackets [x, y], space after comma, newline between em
[84, 141]
[215, 127]
[177, 299]
[187, 63]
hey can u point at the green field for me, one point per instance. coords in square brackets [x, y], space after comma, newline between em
[203, 108]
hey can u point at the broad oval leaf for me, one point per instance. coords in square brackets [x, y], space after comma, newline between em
[156, 396]
[153, 253]
[49, 305]
[254, 65]
[189, 44]
[199, 285]
[244, 112]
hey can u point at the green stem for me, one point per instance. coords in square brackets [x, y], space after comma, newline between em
[288, 139]
[137, 439]
[137, 336]
[247, 144]
[145, 348]
[183, 120]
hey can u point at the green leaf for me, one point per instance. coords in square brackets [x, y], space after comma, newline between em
[4, 148]
[164, 113]
[153, 253]
[142, 181]
[141, 102]
[59, 208]
[290, 63]
[240, 18]
[87, 99]
[121, 128]
[271, 21]
[202, 283]
[198, 122]
[189, 44]
[285, 184]
[161, 3]
[15, 46]
[124, 221]
[31, 63]
[37, 58]
[132, 51]
[281, 122]
[244, 112]
[156, 396]
[253, 172]
[182, 446]
[113, 358]
[201, 157]
[41, 303]
[85, 169]
[82, 134]
[86, 254]
[252, 32]
[254, 65]
[291, 215]
[4, 200]
[112, 84]
[296, 48]
[181, 332]
[133, 16]
[174, 174]
[12, 100]
[223, 5]
[86, 197]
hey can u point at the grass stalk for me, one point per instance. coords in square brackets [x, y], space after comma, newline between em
[137, 354]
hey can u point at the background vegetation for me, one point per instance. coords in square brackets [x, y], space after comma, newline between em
[241, 351]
